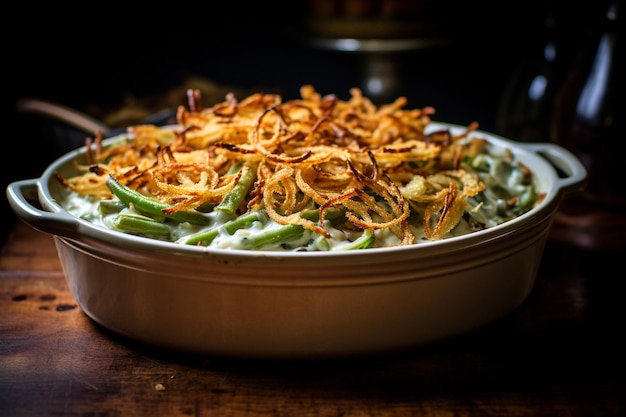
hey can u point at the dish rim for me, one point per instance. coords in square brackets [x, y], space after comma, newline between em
[525, 153]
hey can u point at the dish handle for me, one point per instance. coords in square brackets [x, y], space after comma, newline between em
[24, 200]
[571, 174]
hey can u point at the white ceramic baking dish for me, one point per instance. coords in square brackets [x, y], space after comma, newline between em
[257, 304]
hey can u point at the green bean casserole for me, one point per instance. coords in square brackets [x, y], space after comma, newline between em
[310, 174]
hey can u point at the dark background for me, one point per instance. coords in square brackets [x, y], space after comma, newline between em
[92, 58]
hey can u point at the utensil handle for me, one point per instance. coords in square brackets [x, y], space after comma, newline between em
[61, 113]
[571, 173]
[22, 196]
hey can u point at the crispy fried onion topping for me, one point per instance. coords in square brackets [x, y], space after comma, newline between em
[312, 153]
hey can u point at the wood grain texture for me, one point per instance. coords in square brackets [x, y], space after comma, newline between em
[559, 354]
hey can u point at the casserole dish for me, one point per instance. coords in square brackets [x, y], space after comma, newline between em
[272, 304]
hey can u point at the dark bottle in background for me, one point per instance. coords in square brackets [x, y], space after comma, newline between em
[526, 105]
[588, 119]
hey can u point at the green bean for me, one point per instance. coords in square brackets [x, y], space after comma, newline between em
[281, 234]
[110, 206]
[288, 232]
[141, 225]
[525, 201]
[203, 238]
[294, 231]
[206, 207]
[211, 205]
[234, 168]
[321, 243]
[150, 206]
[244, 221]
[362, 242]
[233, 199]
[332, 214]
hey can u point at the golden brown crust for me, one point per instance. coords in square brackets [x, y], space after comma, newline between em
[375, 162]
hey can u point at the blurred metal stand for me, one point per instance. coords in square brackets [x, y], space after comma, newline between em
[383, 34]
[381, 62]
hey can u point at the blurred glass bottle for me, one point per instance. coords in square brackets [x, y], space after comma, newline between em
[526, 105]
[588, 119]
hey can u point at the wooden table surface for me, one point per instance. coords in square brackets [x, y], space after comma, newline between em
[560, 354]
